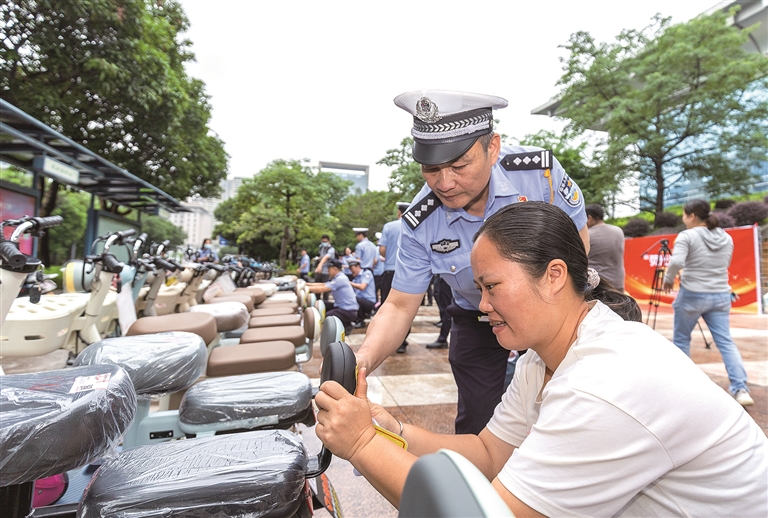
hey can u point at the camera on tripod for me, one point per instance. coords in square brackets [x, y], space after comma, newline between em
[664, 249]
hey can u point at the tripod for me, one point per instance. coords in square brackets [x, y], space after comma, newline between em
[661, 261]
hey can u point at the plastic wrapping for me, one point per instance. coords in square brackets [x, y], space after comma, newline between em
[54, 421]
[157, 363]
[247, 401]
[229, 315]
[248, 474]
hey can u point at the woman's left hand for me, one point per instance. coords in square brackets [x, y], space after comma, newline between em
[344, 421]
[667, 287]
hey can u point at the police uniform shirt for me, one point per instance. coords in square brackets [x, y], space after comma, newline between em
[304, 264]
[369, 293]
[378, 268]
[330, 253]
[442, 241]
[343, 293]
[390, 235]
[366, 252]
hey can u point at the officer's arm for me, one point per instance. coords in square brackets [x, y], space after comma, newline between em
[388, 329]
[584, 233]
[317, 287]
[383, 251]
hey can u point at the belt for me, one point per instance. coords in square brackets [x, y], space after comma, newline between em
[460, 314]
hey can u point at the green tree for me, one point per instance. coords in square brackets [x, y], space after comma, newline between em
[678, 102]
[371, 209]
[596, 179]
[285, 202]
[405, 179]
[66, 240]
[159, 229]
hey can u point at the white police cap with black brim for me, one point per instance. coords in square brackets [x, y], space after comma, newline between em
[447, 123]
[360, 230]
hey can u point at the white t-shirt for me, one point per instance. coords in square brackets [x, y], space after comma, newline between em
[628, 426]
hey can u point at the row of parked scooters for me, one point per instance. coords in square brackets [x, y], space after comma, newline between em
[225, 366]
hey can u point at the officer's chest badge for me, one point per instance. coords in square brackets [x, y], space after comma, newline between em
[445, 245]
[522, 198]
[426, 110]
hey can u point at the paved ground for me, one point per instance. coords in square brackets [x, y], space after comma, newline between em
[418, 388]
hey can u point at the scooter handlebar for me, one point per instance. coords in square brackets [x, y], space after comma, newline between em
[11, 255]
[111, 263]
[48, 222]
[165, 265]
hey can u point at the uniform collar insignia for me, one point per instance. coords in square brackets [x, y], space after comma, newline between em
[419, 210]
[528, 161]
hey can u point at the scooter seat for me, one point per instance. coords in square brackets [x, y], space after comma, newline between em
[272, 399]
[54, 421]
[293, 334]
[277, 309]
[202, 324]
[247, 300]
[275, 321]
[157, 364]
[288, 296]
[229, 315]
[247, 474]
[251, 358]
[269, 303]
[254, 292]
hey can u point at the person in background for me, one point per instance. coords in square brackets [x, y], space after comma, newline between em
[606, 247]
[325, 252]
[704, 253]
[365, 292]
[444, 297]
[344, 305]
[378, 269]
[580, 431]
[388, 246]
[348, 256]
[304, 265]
[207, 254]
[365, 250]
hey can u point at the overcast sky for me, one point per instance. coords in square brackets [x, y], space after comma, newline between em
[315, 79]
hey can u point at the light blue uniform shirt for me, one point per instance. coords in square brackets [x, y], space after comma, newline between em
[304, 264]
[452, 230]
[343, 294]
[390, 235]
[366, 252]
[369, 293]
[378, 268]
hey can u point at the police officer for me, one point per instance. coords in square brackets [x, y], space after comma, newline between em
[365, 250]
[388, 245]
[378, 268]
[365, 291]
[469, 176]
[344, 305]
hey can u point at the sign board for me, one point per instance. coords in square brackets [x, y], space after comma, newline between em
[641, 258]
[57, 169]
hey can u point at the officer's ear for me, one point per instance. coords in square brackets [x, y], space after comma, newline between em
[494, 147]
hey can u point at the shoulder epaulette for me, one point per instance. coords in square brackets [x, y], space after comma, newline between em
[420, 210]
[527, 161]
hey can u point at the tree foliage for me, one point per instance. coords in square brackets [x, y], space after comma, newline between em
[369, 210]
[109, 74]
[678, 102]
[159, 229]
[405, 178]
[66, 241]
[285, 203]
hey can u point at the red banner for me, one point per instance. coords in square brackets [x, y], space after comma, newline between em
[641, 258]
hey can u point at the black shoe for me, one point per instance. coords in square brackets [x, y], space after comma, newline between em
[438, 345]
[401, 349]
[358, 325]
[437, 324]
[429, 303]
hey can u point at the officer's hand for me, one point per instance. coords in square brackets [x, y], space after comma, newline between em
[318, 270]
[343, 420]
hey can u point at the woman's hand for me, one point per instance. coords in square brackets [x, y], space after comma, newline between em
[343, 420]
[667, 287]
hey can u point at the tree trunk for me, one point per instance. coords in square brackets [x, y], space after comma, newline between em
[660, 187]
[46, 208]
[284, 245]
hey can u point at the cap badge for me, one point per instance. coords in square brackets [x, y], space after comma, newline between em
[426, 110]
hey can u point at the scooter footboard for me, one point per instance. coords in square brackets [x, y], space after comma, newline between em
[249, 474]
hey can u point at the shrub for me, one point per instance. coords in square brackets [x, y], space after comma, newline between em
[667, 219]
[724, 220]
[667, 230]
[748, 212]
[636, 227]
[724, 204]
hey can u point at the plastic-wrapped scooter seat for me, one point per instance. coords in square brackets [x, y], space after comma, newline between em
[54, 421]
[157, 364]
[275, 399]
[249, 474]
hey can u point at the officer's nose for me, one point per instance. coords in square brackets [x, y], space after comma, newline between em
[445, 180]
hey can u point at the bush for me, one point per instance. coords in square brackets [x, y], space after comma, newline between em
[724, 220]
[748, 212]
[724, 204]
[667, 230]
[667, 219]
[636, 228]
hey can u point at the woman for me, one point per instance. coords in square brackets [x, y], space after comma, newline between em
[603, 416]
[705, 251]
[207, 254]
[348, 256]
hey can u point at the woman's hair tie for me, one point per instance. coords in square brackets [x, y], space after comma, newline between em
[593, 278]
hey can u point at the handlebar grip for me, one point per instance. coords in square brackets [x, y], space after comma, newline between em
[11, 255]
[126, 233]
[111, 263]
[143, 237]
[50, 221]
[178, 266]
[165, 265]
[166, 243]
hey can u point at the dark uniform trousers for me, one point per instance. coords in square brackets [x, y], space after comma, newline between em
[386, 284]
[479, 365]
